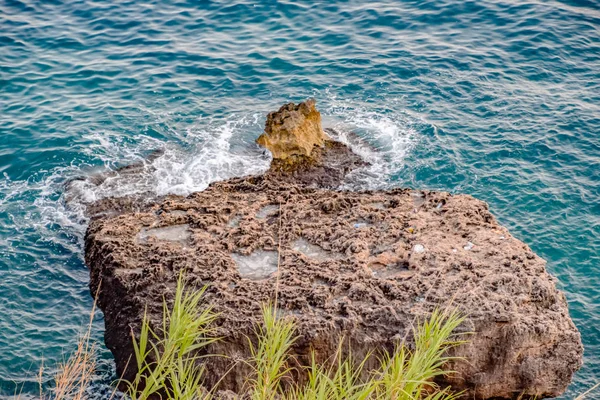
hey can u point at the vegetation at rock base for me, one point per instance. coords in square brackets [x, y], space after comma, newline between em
[168, 367]
[166, 360]
[404, 375]
[75, 374]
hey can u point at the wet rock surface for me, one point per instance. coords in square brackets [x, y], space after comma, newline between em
[358, 265]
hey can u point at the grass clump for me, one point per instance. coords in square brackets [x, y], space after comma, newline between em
[169, 367]
[270, 356]
[403, 375]
[168, 362]
[166, 359]
[407, 374]
[341, 380]
[75, 374]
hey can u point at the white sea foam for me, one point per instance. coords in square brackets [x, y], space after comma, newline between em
[189, 161]
[215, 150]
[200, 156]
[384, 138]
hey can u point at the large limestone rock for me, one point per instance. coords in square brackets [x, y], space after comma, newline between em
[357, 265]
[293, 130]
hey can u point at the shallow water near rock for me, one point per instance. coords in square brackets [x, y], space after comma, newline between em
[389, 271]
[234, 222]
[499, 100]
[359, 224]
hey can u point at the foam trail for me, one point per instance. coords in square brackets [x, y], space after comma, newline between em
[216, 150]
[384, 138]
[213, 159]
[188, 162]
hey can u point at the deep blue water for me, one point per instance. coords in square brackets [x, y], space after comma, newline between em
[498, 99]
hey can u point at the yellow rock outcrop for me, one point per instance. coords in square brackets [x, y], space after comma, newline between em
[293, 130]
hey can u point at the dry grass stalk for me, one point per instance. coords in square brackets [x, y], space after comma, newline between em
[75, 374]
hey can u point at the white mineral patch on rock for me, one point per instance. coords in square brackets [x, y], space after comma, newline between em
[173, 233]
[258, 265]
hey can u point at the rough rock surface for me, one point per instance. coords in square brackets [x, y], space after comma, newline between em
[293, 130]
[362, 265]
[358, 265]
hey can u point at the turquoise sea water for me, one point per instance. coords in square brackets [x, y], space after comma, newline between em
[498, 99]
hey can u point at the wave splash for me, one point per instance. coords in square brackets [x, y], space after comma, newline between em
[383, 137]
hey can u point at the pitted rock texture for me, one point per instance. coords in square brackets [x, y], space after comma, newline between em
[358, 265]
[293, 130]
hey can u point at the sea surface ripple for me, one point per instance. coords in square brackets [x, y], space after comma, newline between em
[497, 99]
